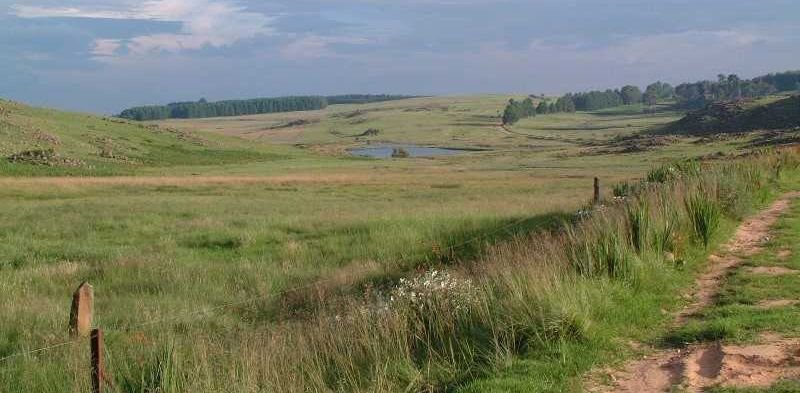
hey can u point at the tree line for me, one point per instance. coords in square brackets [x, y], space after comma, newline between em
[586, 101]
[203, 108]
[731, 87]
[686, 95]
[364, 98]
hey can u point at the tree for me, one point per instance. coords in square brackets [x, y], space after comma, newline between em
[660, 90]
[631, 95]
[511, 114]
[541, 109]
[516, 110]
[650, 98]
[527, 109]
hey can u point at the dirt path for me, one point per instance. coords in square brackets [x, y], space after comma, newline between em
[697, 367]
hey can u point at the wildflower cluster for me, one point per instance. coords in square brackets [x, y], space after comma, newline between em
[432, 288]
[583, 214]
[587, 213]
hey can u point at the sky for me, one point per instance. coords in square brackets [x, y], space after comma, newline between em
[105, 55]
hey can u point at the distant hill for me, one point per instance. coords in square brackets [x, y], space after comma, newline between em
[45, 141]
[739, 116]
[254, 106]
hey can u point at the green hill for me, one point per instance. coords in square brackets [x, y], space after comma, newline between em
[741, 116]
[44, 141]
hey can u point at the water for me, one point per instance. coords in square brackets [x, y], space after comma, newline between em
[385, 151]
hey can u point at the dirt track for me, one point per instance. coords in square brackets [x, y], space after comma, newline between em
[697, 367]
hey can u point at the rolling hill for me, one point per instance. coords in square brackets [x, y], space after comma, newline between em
[45, 141]
[741, 116]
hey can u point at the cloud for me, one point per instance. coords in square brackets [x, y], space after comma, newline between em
[314, 47]
[659, 48]
[105, 47]
[26, 11]
[685, 47]
[204, 23]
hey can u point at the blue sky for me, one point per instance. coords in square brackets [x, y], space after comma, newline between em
[105, 55]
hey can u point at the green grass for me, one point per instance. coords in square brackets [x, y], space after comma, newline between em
[106, 146]
[195, 226]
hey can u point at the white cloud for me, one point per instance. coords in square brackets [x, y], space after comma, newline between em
[660, 48]
[315, 46]
[27, 11]
[212, 23]
[105, 47]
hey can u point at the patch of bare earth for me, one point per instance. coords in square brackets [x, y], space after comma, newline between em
[697, 367]
[777, 303]
[757, 365]
[772, 270]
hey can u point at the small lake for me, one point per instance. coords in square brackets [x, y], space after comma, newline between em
[385, 151]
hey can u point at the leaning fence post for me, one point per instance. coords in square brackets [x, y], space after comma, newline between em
[596, 191]
[98, 366]
[80, 316]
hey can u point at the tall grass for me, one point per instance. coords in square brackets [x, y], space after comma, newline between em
[437, 330]
[704, 214]
[639, 224]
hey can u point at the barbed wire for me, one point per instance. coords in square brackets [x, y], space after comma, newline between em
[43, 349]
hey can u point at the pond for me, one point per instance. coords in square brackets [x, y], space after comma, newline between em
[386, 151]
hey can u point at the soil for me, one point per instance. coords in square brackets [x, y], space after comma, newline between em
[697, 367]
[772, 270]
[777, 303]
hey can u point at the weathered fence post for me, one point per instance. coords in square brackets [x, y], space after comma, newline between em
[98, 366]
[80, 316]
[596, 191]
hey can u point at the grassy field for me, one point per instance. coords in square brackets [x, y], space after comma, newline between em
[165, 220]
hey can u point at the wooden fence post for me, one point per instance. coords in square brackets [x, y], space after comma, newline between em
[596, 191]
[80, 316]
[98, 365]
